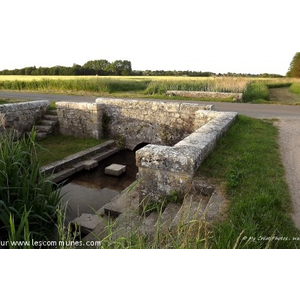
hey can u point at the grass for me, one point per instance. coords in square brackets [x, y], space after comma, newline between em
[256, 91]
[295, 88]
[27, 200]
[57, 147]
[9, 101]
[247, 161]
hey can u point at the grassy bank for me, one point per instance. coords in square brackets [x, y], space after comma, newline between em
[247, 161]
[58, 147]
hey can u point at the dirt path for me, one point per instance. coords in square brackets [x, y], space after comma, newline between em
[284, 96]
[289, 140]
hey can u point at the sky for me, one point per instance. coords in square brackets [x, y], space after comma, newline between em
[237, 36]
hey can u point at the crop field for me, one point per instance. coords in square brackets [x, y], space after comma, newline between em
[144, 86]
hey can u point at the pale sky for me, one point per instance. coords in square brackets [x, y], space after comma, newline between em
[257, 36]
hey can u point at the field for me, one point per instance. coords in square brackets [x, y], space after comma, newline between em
[254, 89]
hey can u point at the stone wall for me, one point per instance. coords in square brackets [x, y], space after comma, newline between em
[180, 136]
[164, 169]
[80, 119]
[204, 94]
[156, 122]
[21, 116]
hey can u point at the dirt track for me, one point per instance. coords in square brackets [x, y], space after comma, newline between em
[289, 141]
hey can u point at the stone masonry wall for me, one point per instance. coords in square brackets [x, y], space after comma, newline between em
[80, 119]
[164, 169]
[180, 136]
[21, 116]
[156, 122]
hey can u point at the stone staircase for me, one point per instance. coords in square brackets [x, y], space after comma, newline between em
[122, 216]
[47, 125]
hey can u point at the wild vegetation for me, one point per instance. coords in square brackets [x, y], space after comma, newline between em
[145, 86]
[28, 203]
[295, 88]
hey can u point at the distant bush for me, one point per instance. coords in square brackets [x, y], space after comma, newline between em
[256, 91]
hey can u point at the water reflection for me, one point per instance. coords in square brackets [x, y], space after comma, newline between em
[88, 191]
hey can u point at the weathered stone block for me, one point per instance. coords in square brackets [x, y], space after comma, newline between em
[22, 116]
[115, 170]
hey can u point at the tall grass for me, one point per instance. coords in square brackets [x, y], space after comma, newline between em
[27, 200]
[75, 85]
[256, 91]
[232, 84]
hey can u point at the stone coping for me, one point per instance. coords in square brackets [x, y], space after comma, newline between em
[23, 105]
[206, 94]
[166, 105]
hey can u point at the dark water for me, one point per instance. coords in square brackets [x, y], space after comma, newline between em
[88, 191]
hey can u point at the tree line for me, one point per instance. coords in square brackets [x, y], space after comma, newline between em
[103, 67]
[92, 67]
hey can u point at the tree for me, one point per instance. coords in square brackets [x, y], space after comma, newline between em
[121, 67]
[294, 69]
[97, 66]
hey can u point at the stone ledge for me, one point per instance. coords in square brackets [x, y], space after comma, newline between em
[80, 156]
[205, 94]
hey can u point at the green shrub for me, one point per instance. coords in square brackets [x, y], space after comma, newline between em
[295, 88]
[278, 84]
[256, 91]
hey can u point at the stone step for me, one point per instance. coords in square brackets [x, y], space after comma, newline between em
[41, 135]
[201, 187]
[191, 209]
[148, 226]
[52, 112]
[48, 122]
[127, 201]
[100, 231]
[165, 219]
[214, 206]
[126, 224]
[89, 222]
[43, 128]
[51, 117]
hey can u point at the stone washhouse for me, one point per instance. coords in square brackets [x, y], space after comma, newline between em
[178, 136]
